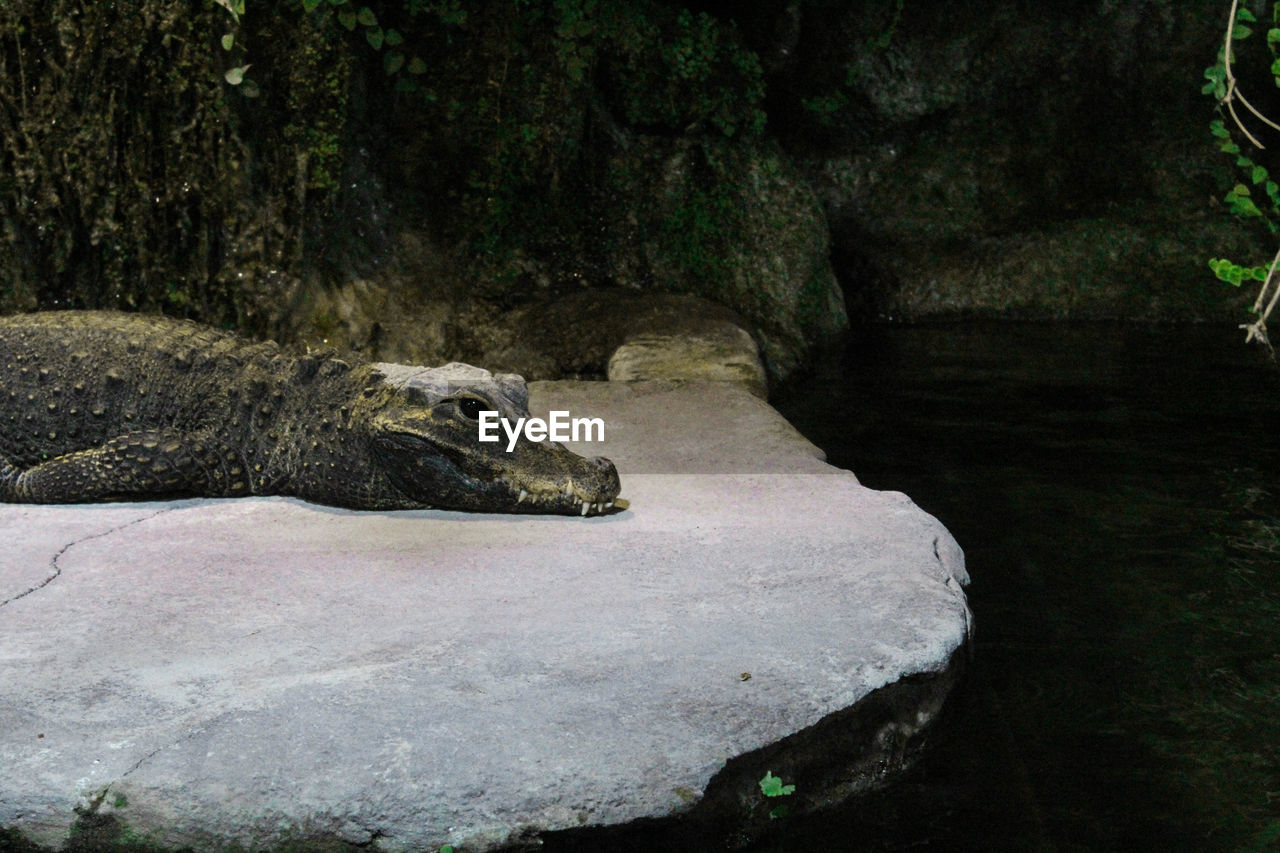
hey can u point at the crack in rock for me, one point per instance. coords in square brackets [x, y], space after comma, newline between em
[53, 561]
[201, 727]
[94, 802]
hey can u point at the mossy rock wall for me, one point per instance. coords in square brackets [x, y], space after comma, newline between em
[247, 170]
[989, 159]
[1002, 159]
[136, 176]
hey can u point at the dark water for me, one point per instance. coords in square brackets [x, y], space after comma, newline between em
[1117, 493]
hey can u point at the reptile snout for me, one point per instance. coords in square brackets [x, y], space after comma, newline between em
[605, 474]
[605, 468]
[602, 463]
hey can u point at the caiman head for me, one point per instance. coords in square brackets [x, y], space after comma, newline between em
[426, 437]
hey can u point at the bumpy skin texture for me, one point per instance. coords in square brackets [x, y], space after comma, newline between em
[101, 406]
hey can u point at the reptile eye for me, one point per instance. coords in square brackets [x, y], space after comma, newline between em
[470, 408]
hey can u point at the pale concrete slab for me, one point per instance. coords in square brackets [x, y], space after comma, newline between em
[260, 670]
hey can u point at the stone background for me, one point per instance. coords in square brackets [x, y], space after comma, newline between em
[800, 164]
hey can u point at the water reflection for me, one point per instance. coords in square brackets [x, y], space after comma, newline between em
[1117, 493]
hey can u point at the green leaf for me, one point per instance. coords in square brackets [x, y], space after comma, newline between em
[1243, 14]
[1237, 198]
[1241, 32]
[230, 6]
[235, 7]
[310, 5]
[337, 2]
[366, 17]
[771, 786]
[1218, 129]
[235, 76]
[228, 41]
[1217, 77]
[392, 62]
[1226, 271]
[347, 17]
[375, 37]
[1258, 273]
[1273, 35]
[1258, 174]
[417, 66]
[394, 38]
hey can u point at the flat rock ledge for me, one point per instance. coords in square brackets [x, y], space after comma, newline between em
[267, 674]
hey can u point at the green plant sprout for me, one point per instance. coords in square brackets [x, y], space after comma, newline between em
[235, 75]
[771, 786]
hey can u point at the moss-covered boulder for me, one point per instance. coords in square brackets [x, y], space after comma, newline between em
[734, 224]
[991, 159]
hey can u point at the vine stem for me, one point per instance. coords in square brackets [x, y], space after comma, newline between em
[1233, 91]
[1257, 330]
[22, 71]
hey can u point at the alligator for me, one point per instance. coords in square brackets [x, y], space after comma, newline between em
[103, 406]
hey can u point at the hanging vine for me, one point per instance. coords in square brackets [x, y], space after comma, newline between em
[1240, 199]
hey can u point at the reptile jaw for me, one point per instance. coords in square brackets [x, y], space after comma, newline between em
[535, 479]
[581, 504]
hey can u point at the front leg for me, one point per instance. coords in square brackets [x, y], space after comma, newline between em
[137, 466]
